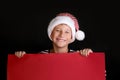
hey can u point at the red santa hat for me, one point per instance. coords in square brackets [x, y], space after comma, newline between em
[71, 21]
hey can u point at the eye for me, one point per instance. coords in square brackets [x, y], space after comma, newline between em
[57, 30]
[67, 31]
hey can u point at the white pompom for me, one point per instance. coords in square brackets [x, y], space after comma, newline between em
[80, 35]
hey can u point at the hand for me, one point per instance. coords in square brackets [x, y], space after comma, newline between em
[85, 52]
[20, 54]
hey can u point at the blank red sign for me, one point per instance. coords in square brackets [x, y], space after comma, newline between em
[66, 66]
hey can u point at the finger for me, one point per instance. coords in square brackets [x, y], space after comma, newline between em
[18, 54]
[77, 51]
[22, 53]
[83, 52]
[86, 52]
[90, 51]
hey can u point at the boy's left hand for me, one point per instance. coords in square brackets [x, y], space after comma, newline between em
[86, 51]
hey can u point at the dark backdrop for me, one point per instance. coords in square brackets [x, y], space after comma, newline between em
[23, 26]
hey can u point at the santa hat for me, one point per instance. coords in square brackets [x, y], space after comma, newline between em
[71, 21]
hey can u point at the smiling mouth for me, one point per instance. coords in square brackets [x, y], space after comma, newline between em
[60, 39]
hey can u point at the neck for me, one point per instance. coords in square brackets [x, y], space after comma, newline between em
[59, 50]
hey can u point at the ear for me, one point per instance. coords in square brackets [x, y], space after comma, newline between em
[51, 38]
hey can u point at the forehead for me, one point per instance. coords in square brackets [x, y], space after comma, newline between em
[63, 26]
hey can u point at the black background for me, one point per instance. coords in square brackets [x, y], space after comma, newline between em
[23, 26]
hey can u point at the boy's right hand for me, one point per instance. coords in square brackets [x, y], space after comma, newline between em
[20, 54]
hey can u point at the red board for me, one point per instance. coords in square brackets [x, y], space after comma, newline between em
[71, 66]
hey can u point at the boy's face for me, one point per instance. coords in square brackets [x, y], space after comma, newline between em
[61, 35]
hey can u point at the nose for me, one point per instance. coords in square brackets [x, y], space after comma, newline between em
[61, 34]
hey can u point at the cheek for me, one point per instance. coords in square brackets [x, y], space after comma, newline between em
[52, 36]
[69, 37]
